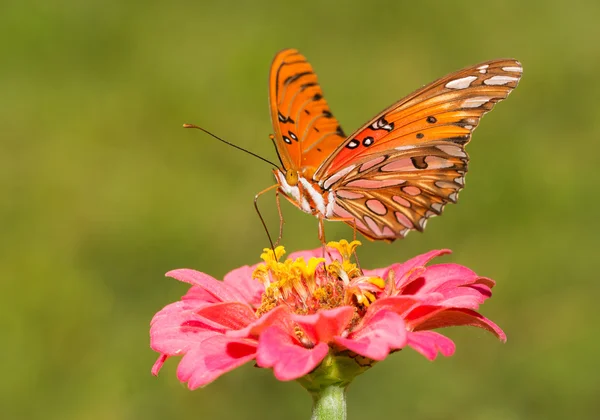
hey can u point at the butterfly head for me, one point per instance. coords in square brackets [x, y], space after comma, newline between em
[291, 177]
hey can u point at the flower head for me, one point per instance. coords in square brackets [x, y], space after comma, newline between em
[311, 310]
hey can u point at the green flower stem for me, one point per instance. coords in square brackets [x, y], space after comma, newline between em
[327, 384]
[329, 403]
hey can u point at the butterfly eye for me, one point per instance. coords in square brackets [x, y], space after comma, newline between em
[291, 177]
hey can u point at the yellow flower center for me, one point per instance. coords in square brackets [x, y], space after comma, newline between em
[306, 287]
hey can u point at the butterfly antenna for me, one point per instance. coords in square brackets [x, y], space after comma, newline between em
[230, 144]
[263, 220]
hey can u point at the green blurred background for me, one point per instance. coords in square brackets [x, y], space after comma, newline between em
[103, 192]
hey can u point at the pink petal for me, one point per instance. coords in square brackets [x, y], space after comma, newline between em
[463, 297]
[326, 324]
[289, 360]
[279, 316]
[175, 331]
[197, 295]
[216, 288]
[216, 356]
[428, 343]
[385, 331]
[159, 364]
[398, 304]
[485, 281]
[442, 277]
[241, 280]
[421, 314]
[456, 317]
[402, 269]
[232, 315]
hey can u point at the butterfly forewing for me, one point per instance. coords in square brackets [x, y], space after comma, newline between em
[409, 161]
[306, 131]
[447, 109]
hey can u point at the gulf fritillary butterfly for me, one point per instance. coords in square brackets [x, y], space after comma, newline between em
[396, 171]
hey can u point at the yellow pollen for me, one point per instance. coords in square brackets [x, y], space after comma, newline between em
[309, 286]
[377, 281]
[320, 294]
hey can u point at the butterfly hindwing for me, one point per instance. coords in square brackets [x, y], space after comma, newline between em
[305, 129]
[389, 195]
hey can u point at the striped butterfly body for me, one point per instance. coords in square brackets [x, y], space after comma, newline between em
[399, 169]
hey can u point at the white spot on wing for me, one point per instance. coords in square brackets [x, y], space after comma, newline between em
[517, 69]
[462, 83]
[500, 80]
[452, 150]
[407, 147]
[475, 102]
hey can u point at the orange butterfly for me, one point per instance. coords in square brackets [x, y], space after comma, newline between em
[400, 168]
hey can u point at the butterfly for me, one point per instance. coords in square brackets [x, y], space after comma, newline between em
[396, 171]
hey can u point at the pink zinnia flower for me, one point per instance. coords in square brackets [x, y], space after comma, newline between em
[293, 315]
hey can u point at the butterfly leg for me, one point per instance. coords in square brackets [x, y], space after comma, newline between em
[260, 215]
[321, 231]
[322, 238]
[281, 221]
[347, 220]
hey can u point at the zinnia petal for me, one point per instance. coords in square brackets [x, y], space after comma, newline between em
[232, 315]
[279, 316]
[457, 317]
[385, 331]
[277, 349]
[241, 279]
[325, 324]
[175, 330]
[216, 356]
[401, 270]
[216, 288]
[429, 343]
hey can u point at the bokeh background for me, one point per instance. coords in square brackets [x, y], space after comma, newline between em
[103, 192]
